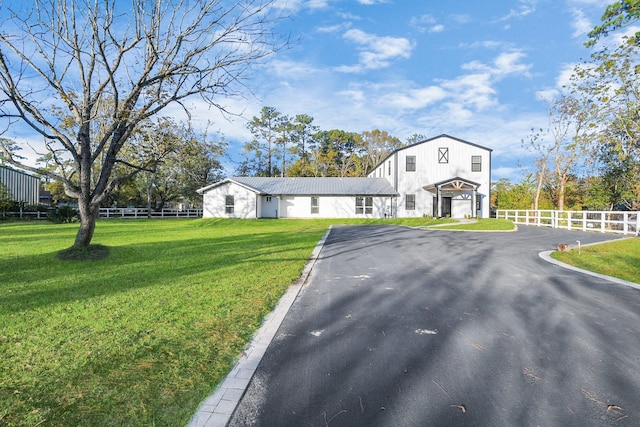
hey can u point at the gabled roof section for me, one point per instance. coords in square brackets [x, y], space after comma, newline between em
[223, 182]
[444, 135]
[320, 186]
[452, 184]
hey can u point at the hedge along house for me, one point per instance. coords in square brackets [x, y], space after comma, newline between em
[442, 176]
[260, 197]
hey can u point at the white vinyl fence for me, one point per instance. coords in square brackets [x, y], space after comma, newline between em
[145, 213]
[602, 221]
[134, 213]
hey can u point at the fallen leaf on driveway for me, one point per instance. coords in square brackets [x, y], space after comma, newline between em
[426, 331]
[461, 407]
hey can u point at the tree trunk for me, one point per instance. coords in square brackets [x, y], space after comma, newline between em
[561, 191]
[88, 215]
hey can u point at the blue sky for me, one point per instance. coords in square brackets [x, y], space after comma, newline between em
[477, 70]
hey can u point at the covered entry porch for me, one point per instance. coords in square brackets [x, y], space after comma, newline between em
[455, 197]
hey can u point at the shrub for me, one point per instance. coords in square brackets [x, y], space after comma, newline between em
[63, 214]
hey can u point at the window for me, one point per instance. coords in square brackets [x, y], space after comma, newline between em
[268, 199]
[389, 164]
[315, 204]
[476, 163]
[364, 205]
[368, 205]
[443, 155]
[359, 205]
[228, 204]
[410, 202]
[411, 163]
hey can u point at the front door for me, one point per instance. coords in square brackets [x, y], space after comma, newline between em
[446, 207]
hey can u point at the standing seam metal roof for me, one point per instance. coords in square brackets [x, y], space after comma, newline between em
[318, 186]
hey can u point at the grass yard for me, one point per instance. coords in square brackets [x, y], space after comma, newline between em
[143, 336]
[482, 224]
[619, 258]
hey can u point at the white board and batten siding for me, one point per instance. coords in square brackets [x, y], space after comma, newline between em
[448, 176]
[249, 203]
[436, 160]
[244, 202]
[330, 207]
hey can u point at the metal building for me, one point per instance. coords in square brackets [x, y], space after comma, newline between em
[21, 186]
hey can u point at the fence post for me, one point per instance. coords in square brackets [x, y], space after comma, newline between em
[625, 223]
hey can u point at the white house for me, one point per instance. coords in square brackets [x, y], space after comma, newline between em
[441, 176]
[259, 197]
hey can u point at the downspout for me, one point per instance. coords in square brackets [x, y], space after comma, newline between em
[394, 200]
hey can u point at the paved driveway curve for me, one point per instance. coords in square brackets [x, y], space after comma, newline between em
[407, 327]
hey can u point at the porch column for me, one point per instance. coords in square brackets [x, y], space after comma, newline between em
[474, 202]
[438, 204]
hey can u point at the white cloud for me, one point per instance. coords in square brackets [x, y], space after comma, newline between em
[331, 29]
[488, 44]
[416, 98]
[472, 90]
[527, 7]
[292, 69]
[375, 51]
[509, 63]
[372, 2]
[288, 5]
[297, 5]
[423, 23]
[504, 64]
[317, 4]
[510, 173]
[581, 24]
[437, 28]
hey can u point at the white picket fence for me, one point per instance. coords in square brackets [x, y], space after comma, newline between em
[627, 222]
[134, 213]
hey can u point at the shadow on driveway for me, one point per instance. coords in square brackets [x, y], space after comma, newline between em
[405, 327]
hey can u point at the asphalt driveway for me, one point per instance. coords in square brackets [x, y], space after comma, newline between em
[407, 327]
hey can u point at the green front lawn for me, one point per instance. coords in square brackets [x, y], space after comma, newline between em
[619, 258]
[482, 224]
[143, 336]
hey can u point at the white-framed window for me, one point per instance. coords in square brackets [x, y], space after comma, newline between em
[364, 205]
[476, 163]
[411, 163]
[315, 204]
[229, 204]
[443, 155]
[410, 202]
[389, 167]
[368, 205]
[268, 199]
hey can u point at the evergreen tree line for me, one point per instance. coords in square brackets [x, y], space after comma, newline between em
[291, 146]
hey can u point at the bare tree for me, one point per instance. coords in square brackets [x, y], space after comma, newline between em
[561, 149]
[83, 74]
